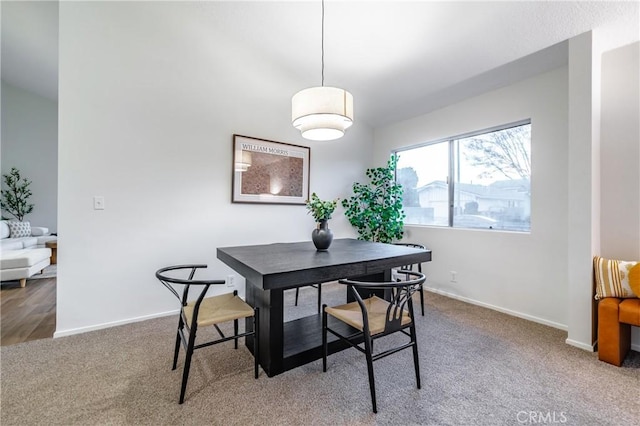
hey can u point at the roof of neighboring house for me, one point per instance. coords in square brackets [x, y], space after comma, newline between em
[504, 190]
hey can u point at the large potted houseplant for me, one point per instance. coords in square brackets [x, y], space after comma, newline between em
[321, 211]
[375, 209]
[15, 197]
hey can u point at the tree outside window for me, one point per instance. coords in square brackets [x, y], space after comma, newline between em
[480, 180]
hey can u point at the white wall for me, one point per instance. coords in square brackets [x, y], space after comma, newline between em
[620, 145]
[583, 170]
[528, 275]
[30, 143]
[152, 133]
[524, 274]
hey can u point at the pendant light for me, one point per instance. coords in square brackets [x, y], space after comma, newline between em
[322, 113]
[245, 161]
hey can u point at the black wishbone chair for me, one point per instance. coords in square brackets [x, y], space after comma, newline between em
[206, 311]
[410, 268]
[373, 318]
[319, 287]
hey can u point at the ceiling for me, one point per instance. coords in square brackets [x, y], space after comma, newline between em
[399, 59]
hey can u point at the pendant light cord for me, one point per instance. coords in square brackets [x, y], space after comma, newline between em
[322, 46]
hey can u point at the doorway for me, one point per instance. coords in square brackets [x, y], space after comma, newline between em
[29, 312]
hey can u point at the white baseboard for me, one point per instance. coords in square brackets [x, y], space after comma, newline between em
[499, 309]
[580, 345]
[72, 331]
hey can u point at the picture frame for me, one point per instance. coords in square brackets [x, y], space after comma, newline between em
[269, 172]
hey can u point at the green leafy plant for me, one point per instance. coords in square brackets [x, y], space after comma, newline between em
[375, 210]
[319, 209]
[15, 197]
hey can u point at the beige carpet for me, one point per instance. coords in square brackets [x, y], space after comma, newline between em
[478, 367]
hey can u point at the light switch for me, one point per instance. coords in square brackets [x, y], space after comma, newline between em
[98, 202]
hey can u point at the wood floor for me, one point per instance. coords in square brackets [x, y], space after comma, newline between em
[27, 313]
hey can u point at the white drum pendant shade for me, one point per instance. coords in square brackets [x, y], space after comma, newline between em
[245, 162]
[322, 113]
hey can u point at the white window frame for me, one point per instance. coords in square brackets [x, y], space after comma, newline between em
[452, 167]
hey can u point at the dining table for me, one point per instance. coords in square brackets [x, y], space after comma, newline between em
[269, 269]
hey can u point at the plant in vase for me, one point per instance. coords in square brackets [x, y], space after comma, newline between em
[321, 212]
[375, 210]
[15, 198]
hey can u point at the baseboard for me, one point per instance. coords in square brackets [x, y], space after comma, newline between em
[634, 347]
[72, 331]
[580, 345]
[499, 309]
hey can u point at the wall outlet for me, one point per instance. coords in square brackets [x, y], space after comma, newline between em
[231, 281]
[454, 276]
[98, 202]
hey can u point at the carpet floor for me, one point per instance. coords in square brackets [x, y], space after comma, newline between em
[478, 367]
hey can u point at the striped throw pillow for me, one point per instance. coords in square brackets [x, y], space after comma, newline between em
[612, 278]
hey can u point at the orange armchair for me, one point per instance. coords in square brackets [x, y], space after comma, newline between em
[615, 318]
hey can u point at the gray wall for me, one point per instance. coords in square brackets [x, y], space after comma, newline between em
[30, 143]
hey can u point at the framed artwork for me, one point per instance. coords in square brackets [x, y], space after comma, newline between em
[269, 172]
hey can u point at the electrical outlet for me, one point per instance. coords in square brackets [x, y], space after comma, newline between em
[98, 202]
[454, 275]
[231, 281]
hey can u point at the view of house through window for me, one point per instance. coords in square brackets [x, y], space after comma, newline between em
[479, 180]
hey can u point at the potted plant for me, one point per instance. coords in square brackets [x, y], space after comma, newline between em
[375, 210]
[321, 211]
[15, 198]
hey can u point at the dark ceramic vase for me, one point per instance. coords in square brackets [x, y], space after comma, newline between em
[322, 236]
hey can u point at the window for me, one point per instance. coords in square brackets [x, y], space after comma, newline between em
[479, 180]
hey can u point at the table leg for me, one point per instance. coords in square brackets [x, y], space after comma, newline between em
[271, 307]
[272, 342]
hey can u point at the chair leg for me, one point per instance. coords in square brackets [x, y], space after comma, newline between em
[416, 362]
[235, 332]
[421, 290]
[176, 350]
[187, 362]
[372, 383]
[324, 339]
[256, 340]
[297, 293]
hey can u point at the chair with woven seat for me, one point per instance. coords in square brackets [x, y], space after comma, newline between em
[372, 317]
[418, 267]
[203, 312]
[317, 286]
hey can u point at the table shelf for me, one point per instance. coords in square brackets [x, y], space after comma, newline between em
[303, 340]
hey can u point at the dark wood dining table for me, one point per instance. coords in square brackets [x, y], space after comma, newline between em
[270, 269]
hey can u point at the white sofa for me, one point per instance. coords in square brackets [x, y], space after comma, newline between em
[21, 258]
